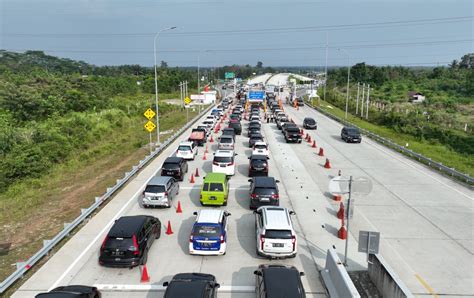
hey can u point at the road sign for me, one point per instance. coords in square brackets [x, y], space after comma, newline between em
[187, 100]
[149, 114]
[229, 75]
[150, 126]
[256, 96]
[369, 242]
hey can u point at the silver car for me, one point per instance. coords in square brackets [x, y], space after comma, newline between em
[226, 142]
[160, 192]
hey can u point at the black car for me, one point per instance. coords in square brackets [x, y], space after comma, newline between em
[229, 132]
[254, 130]
[292, 134]
[300, 102]
[73, 291]
[258, 165]
[287, 125]
[264, 192]
[175, 167]
[236, 126]
[191, 285]
[128, 241]
[351, 135]
[255, 138]
[279, 281]
[254, 126]
[309, 123]
[235, 117]
[279, 121]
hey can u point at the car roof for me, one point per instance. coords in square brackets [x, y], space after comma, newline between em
[259, 156]
[273, 218]
[261, 143]
[182, 288]
[308, 118]
[209, 216]
[224, 153]
[127, 226]
[265, 182]
[227, 136]
[282, 281]
[173, 159]
[159, 180]
[215, 177]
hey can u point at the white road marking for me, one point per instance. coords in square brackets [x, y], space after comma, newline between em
[155, 287]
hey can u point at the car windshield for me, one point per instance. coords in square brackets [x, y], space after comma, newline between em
[213, 186]
[278, 234]
[184, 148]
[206, 231]
[259, 157]
[264, 191]
[222, 159]
[293, 130]
[121, 243]
[260, 146]
[310, 121]
[226, 140]
[155, 188]
[168, 165]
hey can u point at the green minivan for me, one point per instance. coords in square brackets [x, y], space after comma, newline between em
[215, 189]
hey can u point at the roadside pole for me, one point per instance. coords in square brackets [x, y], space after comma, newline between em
[357, 101]
[368, 96]
[362, 105]
[348, 220]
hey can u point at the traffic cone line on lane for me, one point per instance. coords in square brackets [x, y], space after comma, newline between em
[327, 164]
[196, 174]
[169, 231]
[192, 179]
[179, 210]
[314, 144]
[342, 233]
[145, 277]
[340, 213]
[321, 151]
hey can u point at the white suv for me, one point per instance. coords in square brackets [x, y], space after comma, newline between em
[224, 162]
[187, 150]
[260, 148]
[276, 237]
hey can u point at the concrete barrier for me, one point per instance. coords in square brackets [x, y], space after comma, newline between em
[335, 277]
[387, 282]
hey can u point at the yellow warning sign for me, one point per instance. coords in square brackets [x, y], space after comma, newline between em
[149, 114]
[187, 100]
[150, 126]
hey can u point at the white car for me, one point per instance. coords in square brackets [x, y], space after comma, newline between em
[209, 233]
[254, 118]
[276, 237]
[226, 142]
[260, 148]
[224, 162]
[187, 150]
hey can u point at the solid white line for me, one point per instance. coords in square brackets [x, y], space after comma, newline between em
[155, 287]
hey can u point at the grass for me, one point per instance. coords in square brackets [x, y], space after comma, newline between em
[435, 151]
[36, 209]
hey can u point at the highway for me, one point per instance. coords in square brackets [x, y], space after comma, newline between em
[425, 221]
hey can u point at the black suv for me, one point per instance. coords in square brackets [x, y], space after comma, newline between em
[175, 167]
[287, 125]
[351, 135]
[258, 165]
[309, 123]
[254, 137]
[128, 241]
[236, 126]
[292, 134]
[192, 285]
[279, 281]
[73, 291]
[264, 192]
[229, 132]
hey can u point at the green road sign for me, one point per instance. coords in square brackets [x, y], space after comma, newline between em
[229, 75]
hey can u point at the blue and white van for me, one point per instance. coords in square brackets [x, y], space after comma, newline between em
[209, 233]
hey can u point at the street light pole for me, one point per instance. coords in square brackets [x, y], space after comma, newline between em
[156, 86]
[348, 220]
[348, 79]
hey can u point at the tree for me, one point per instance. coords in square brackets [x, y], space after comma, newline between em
[467, 61]
[164, 64]
[454, 64]
[259, 64]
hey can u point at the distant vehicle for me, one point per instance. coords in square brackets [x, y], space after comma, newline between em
[276, 237]
[187, 150]
[351, 135]
[292, 134]
[205, 128]
[300, 101]
[198, 136]
[73, 291]
[228, 132]
[128, 241]
[279, 281]
[209, 233]
[264, 192]
[191, 285]
[224, 162]
[235, 117]
[258, 165]
[160, 191]
[226, 143]
[209, 122]
[215, 190]
[260, 148]
[309, 123]
[286, 125]
[279, 121]
[175, 167]
[253, 138]
[237, 127]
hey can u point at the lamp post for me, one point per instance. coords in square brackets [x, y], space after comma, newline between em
[348, 79]
[156, 86]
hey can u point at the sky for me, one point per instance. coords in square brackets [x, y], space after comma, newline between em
[215, 33]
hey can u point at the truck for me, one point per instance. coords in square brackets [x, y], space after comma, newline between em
[198, 136]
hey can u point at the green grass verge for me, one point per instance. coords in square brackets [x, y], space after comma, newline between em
[433, 150]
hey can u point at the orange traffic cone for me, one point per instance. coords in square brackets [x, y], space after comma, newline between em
[179, 210]
[327, 164]
[337, 198]
[192, 179]
[321, 151]
[301, 132]
[169, 231]
[307, 136]
[309, 139]
[145, 277]
[314, 144]
[340, 213]
[211, 139]
[197, 173]
[342, 233]
[204, 157]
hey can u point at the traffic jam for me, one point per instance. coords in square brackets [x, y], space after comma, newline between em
[236, 118]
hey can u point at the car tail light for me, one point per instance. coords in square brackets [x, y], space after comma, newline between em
[166, 194]
[275, 196]
[293, 241]
[135, 248]
[103, 242]
[191, 239]
[215, 163]
[222, 239]
[253, 196]
[231, 164]
[262, 241]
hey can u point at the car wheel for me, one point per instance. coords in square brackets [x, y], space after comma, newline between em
[158, 235]
[144, 258]
[225, 203]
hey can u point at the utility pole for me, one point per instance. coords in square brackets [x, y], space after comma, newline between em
[357, 101]
[368, 96]
[348, 220]
[362, 105]
[326, 67]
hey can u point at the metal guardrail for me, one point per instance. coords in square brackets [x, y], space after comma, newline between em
[421, 158]
[48, 245]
